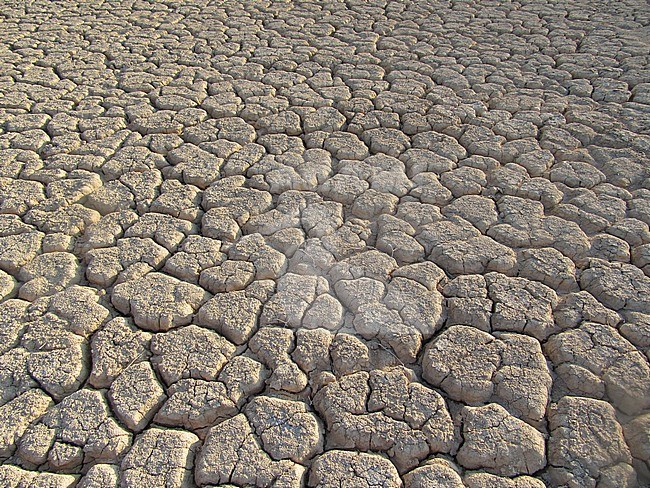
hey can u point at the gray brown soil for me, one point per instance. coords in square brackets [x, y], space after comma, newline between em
[353, 244]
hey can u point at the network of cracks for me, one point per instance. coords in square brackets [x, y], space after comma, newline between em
[325, 244]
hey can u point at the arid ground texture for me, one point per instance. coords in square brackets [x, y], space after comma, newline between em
[347, 244]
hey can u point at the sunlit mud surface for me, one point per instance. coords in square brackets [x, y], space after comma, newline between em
[329, 244]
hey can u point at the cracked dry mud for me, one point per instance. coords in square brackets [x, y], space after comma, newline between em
[324, 244]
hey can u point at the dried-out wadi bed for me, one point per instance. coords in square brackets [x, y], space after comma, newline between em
[364, 243]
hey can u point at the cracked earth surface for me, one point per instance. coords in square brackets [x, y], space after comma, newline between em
[324, 244]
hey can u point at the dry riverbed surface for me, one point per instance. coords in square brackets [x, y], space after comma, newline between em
[353, 244]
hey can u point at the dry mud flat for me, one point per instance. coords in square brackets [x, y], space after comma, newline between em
[330, 244]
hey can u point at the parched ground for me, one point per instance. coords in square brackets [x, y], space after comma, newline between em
[325, 244]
